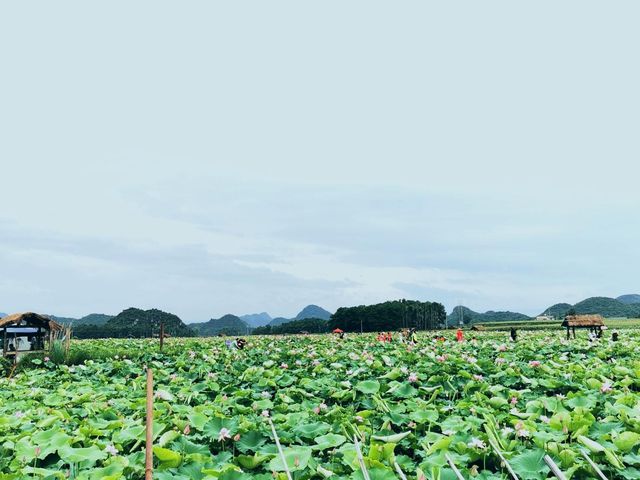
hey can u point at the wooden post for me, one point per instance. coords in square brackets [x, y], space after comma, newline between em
[554, 468]
[161, 335]
[148, 470]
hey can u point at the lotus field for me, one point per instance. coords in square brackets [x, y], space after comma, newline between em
[408, 407]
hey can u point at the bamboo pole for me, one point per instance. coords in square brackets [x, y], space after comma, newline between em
[593, 465]
[148, 470]
[453, 467]
[504, 461]
[282, 457]
[161, 335]
[363, 467]
[399, 470]
[554, 468]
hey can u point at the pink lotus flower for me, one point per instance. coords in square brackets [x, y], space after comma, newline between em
[38, 451]
[441, 358]
[224, 433]
[478, 378]
[477, 443]
[534, 363]
[111, 450]
[284, 366]
[46, 359]
[606, 387]
[413, 377]
[500, 361]
[236, 437]
[265, 413]
[316, 410]
[502, 348]
[359, 419]
[514, 400]
[187, 430]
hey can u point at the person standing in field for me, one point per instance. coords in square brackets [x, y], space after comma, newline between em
[459, 335]
[514, 335]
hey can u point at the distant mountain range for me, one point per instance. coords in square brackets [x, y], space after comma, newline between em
[257, 319]
[466, 315]
[623, 306]
[233, 325]
[2, 315]
[91, 319]
[310, 311]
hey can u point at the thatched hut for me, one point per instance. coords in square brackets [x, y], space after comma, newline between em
[478, 328]
[592, 322]
[26, 332]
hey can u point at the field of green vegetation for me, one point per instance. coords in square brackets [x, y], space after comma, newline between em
[82, 416]
[617, 323]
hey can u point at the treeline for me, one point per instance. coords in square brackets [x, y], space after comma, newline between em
[306, 325]
[390, 315]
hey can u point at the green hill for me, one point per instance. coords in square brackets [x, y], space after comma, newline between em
[279, 321]
[629, 299]
[559, 310]
[468, 316]
[145, 323]
[605, 306]
[228, 325]
[313, 311]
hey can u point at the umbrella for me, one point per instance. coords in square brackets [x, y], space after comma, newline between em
[337, 330]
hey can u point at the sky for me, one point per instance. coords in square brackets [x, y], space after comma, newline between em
[214, 157]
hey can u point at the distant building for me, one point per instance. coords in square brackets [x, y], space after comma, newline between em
[544, 318]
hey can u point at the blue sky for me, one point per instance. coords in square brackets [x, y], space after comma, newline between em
[241, 157]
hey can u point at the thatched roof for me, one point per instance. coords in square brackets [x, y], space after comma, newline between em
[583, 321]
[29, 319]
[478, 328]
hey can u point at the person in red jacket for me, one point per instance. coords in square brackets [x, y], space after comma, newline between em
[459, 335]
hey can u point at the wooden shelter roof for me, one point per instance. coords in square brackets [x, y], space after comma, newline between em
[29, 319]
[583, 321]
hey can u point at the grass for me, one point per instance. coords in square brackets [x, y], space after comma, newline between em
[617, 323]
